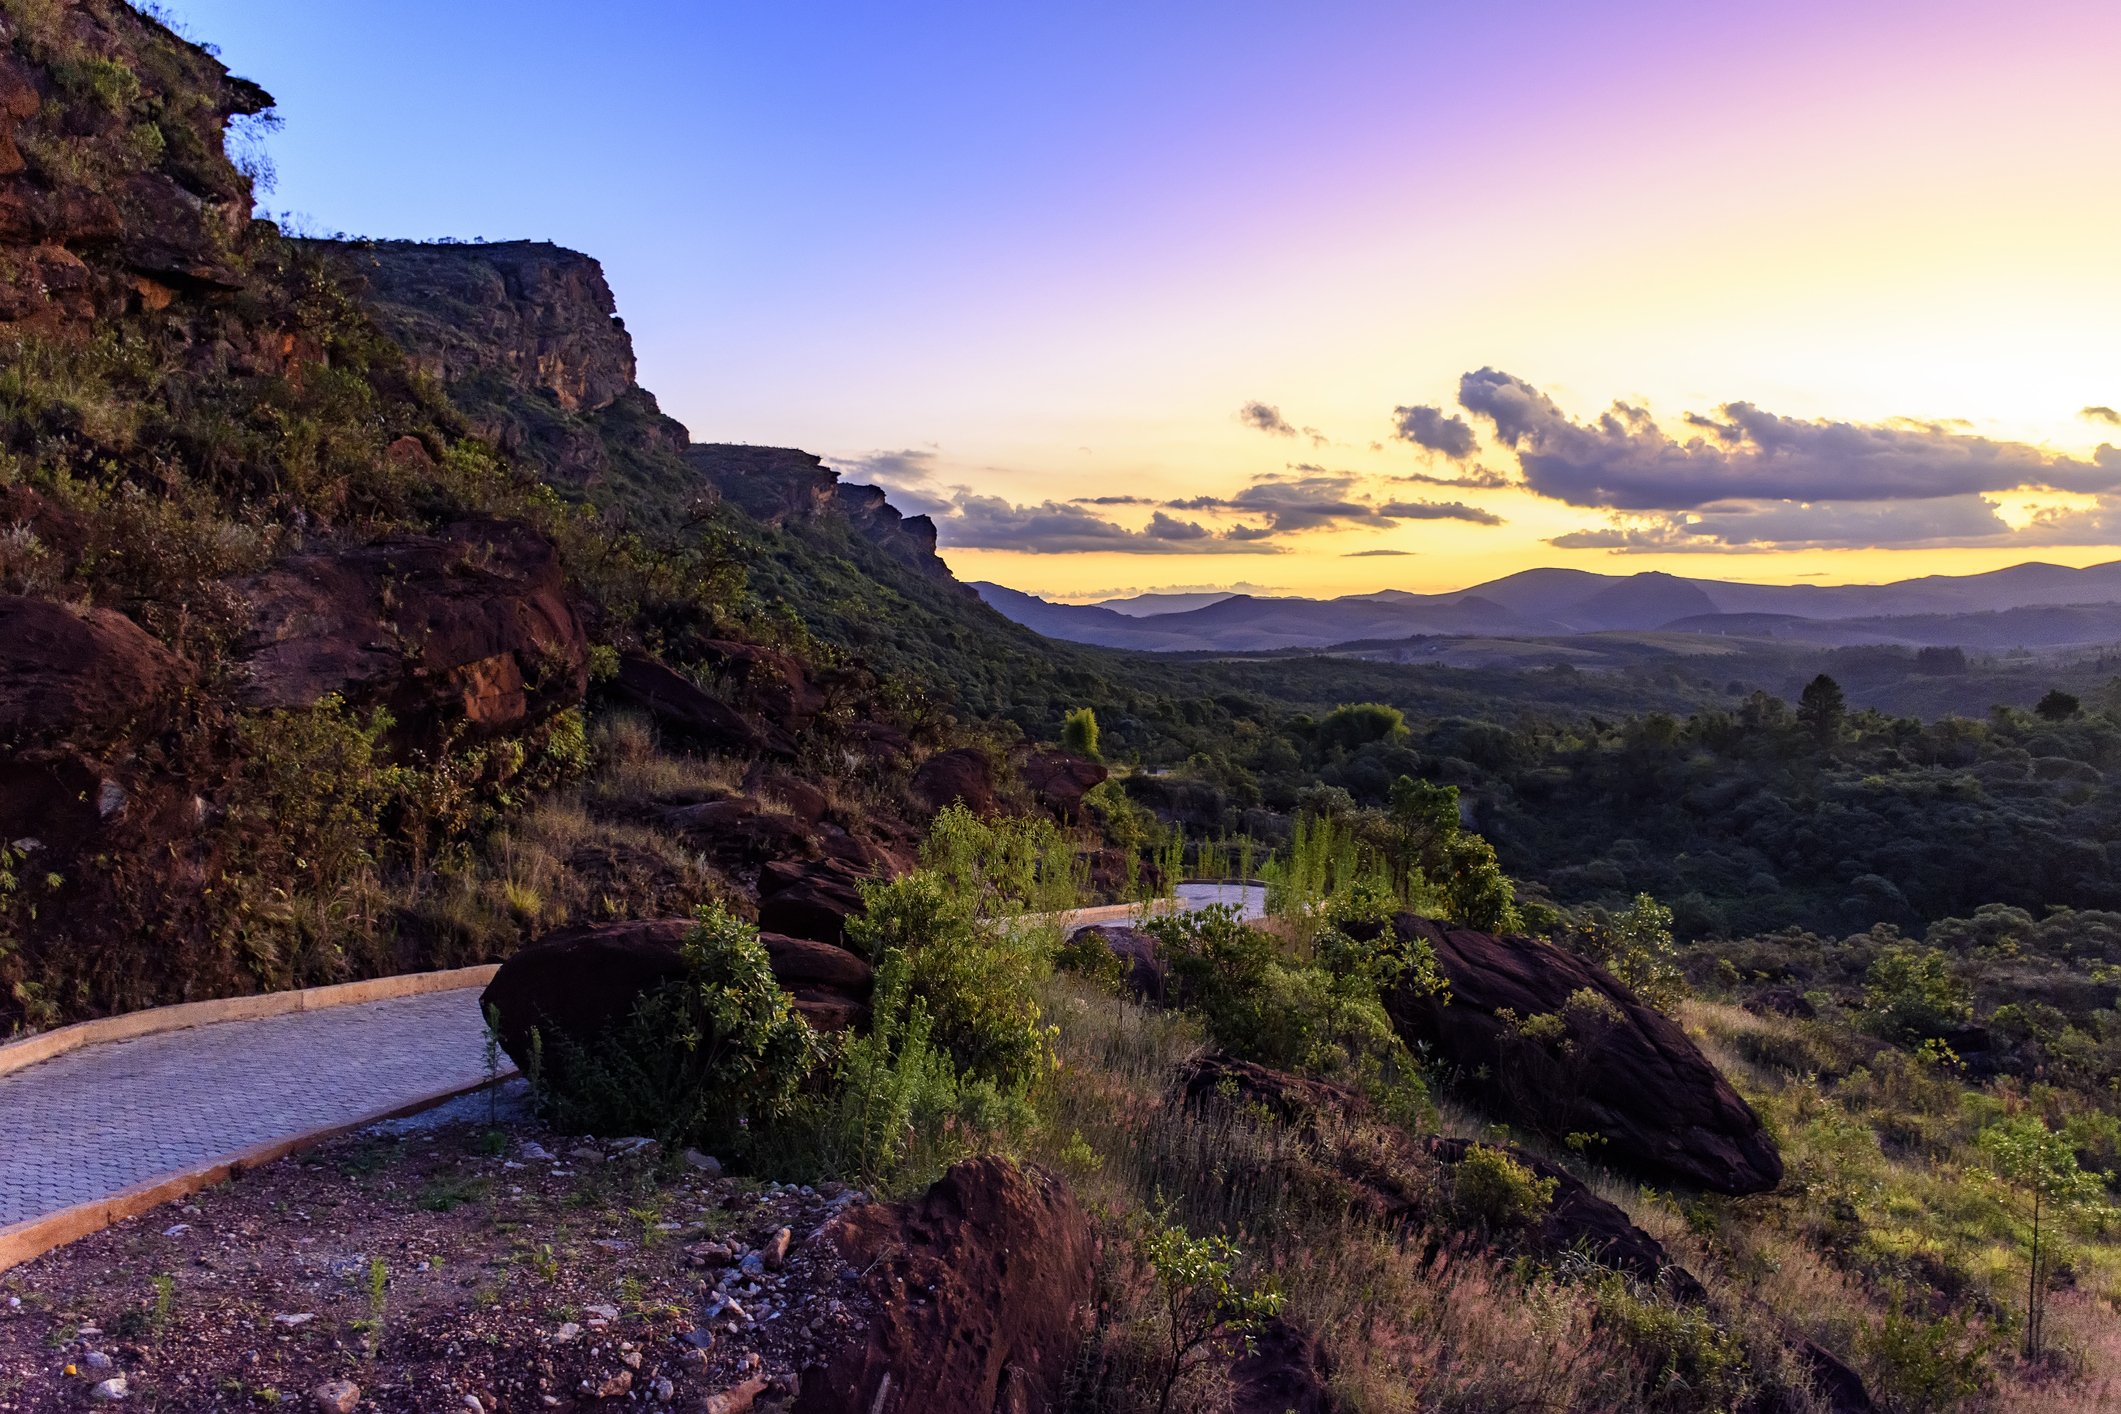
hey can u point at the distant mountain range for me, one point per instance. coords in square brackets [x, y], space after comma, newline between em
[2029, 606]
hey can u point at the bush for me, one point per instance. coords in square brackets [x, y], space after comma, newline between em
[1079, 732]
[700, 1061]
[976, 977]
[1911, 993]
[1491, 1190]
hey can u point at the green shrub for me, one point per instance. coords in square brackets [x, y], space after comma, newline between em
[976, 977]
[1911, 992]
[1079, 732]
[700, 1060]
[1491, 1190]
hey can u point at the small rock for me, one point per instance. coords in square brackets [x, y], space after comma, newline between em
[699, 1338]
[775, 1252]
[566, 1333]
[294, 1318]
[96, 1360]
[176, 1229]
[737, 1400]
[611, 1387]
[337, 1396]
[632, 1144]
[707, 1164]
[632, 1359]
[109, 1391]
[601, 1315]
[472, 1401]
[583, 1153]
[533, 1150]
[663, 1390]
[754, 1264]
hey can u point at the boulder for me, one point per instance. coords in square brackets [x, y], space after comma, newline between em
[1060, 779]
[467, 628]
[65, 670]
[773, 684]
[964, 775]
[1279, 1370]
[982, 1289]
[681, 709]
[1631, 1076]
[740, 831]
[809, 900]
[1398, 1181]
[582, 981]
[1136, 949]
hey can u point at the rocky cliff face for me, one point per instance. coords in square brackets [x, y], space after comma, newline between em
[115, 189]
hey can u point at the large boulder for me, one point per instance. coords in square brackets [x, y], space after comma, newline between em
[582, 981]
[964, 776]
[740, 831]
[64, 671]
[468, 628]
[809, 900]
[1060, 779]
[1616, 1068]
[1395, 1180]
[682, 709]
[982, 1291]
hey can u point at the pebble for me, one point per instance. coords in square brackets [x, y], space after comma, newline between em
[110, 1391]
[583, 1153]
[472, 1401]
[295, 1318]
[601, 1315]
[775, 1252]
[96, 1360]
[707, 1164]
[612, 1387]
[176, 1229]
[568, 1332]
[336, 1396]
[533, 1150]
[663, 1390]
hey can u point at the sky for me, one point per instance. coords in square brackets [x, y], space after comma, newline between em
[1319, 299]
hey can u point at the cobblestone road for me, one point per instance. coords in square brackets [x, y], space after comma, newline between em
[100, 1120]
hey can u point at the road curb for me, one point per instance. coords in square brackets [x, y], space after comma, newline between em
[33, 1237]
[45, 1045]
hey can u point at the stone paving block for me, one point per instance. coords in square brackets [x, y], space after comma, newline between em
[94, 1122]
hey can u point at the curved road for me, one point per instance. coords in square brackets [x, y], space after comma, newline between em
[96, 1122]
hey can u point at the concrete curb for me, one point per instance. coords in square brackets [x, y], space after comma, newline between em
[33, 1237]
[14, 1055]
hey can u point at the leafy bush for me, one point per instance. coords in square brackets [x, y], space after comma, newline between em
[1079, 732]
[1911, 993]
[1491, 1190]
[976, 977]
[700, 1060]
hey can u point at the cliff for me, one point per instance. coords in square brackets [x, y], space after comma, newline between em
[116, 191]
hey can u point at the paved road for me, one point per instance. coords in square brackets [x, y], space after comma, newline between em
[102, 1119]
[106, 1118]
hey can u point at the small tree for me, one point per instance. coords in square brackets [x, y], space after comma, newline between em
[2042, 1166]
[1079, 732]
[1911, 993]
[1202, 1297]
[1821, 708]
[2058, 706]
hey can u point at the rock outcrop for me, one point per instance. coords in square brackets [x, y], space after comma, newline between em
[982, 1289]
[1616, 1068]
[584, 980]
[1060, 779]
[470, 627]
[683, 711]
[962, 776]
[64, 671]
[95, 218]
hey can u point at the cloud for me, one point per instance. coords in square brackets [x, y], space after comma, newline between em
[1475, 478]
[906, 476]
[1626, 461]
[1290, 503]
[2101, 414]
[1267, 419]
[1438, 510]
[1371, 554]
[975, 522]
[1436, 430]
[1112, 501]
[1786, 525]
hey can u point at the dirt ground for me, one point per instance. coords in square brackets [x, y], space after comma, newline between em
[463, 1260]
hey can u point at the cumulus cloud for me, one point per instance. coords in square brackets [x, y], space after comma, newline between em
[2102, 414]
[1624, 460]
[907, 476]
[1266, 419]
[1438, 510]
[1787, 525]
[1436, 430]
[975, 522]
[1473, 478]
